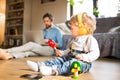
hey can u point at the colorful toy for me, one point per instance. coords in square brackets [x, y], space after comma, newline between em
[51, 43]
[75, 68]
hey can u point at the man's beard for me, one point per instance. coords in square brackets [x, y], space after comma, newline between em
[48, 26]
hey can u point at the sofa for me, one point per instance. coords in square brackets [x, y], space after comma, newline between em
[108, 38]
[108, 43]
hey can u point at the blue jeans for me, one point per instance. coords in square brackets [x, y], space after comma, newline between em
[64, 65]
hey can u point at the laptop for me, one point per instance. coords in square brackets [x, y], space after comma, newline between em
[34, 36]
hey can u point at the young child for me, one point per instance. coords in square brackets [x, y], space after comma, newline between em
[84, 49]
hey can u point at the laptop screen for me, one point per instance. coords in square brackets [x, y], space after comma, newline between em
[34, 36]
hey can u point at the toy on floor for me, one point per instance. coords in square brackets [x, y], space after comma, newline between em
[75, 68]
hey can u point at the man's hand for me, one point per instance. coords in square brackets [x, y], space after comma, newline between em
[57, 52]
[46, 41]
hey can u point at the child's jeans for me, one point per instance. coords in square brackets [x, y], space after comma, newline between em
[64, 65]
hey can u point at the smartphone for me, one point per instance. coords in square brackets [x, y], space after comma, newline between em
[31, 76]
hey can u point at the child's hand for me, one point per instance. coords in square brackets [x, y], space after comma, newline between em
[57, 52]
[79, 57]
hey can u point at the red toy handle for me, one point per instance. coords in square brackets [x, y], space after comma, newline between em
[51, 43]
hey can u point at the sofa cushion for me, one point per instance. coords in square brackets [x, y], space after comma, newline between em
[108, 43]
[63, 28]
[66, 41]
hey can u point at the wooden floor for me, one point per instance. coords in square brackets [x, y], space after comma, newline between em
[102, 69]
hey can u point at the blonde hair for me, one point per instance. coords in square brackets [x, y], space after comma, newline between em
[91, 26]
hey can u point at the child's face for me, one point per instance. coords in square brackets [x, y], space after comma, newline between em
[74, 30]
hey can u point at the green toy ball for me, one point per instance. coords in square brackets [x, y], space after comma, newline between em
[75, 68]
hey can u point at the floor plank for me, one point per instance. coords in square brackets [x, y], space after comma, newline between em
[102, 69]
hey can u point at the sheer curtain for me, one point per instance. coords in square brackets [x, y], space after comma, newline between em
[107, 8]
[86, 6]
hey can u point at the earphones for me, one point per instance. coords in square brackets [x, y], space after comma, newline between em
[82, 29]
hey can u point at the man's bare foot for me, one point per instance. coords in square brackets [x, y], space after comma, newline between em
[4, 50]
[5, 55]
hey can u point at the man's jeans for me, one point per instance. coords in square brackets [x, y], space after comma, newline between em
[31, 49]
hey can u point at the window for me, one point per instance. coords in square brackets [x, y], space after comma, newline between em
[106, 8]
[85, 6]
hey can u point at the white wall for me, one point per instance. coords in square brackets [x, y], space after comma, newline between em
[58, 9]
